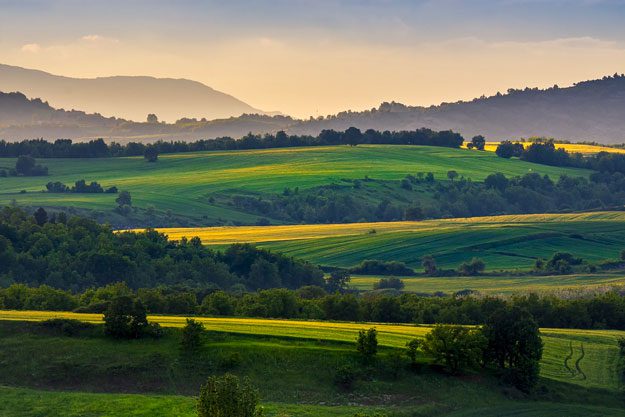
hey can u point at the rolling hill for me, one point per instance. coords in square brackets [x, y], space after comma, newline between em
[503, 242]
[126, 97]
[184, 183]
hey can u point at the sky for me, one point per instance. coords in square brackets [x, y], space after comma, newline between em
[319, 57]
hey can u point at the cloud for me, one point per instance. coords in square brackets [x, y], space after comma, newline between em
[31, 48]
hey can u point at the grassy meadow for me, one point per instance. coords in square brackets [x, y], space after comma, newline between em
[503, 242]
[184, 183]
[291, 362]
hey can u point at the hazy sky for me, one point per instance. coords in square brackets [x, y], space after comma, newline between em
[311, 57]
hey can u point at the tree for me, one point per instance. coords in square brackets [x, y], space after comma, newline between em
[152, 118]
[192, 336]
[507, 149]
[452, 175]
[475, 267]
[514, 344]
[228, 396]
[41, 216]
[412, 350]
[124, 199]
[151, 154]
[352, 136]
[457, 347]
[337, 281]
[125, 318]
[367, 344]
[429, 265]
[478, 142]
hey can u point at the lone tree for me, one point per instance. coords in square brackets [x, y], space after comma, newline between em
[192, 336]
[337, 281]
[514, 345]
[228, 396]
[478, 142]
[151, 154]
[367, 344]
[452, 175]
[429, 265]
[124, 199]
[125, 318]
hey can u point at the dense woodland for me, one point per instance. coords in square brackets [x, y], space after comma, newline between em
[76, 253]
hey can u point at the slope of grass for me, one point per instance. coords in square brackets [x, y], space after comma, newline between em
[503, 242]
[183, 183]
[598, 364]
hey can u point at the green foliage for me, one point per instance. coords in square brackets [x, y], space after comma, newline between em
[367, 344]
[474, 267]
[192, 336]
[389, 283]
[125, 318]
[228, 396]
[514, 344]
[456, 347]
[412, 350]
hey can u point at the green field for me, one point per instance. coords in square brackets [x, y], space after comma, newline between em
[503, 242]
[183, 183]
[292, 363]
[499, 284]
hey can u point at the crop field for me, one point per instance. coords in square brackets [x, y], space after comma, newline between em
[183, 183]
[503, 242]
[592, 354]
[499, 284]
[569, 147]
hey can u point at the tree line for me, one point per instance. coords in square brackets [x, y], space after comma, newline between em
[601, 311]
[98, 148]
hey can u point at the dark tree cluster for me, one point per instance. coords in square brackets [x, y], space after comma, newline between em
[77, 253]
[98, 148]
[604, 311]
[80, 186]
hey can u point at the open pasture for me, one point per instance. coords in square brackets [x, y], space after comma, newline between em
[593, 354]
[183, 183]
[503, 242]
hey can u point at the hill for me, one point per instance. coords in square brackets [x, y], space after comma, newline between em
[590, 110]
[127, 97]
[199, 188]
[91, 374]
[503, 242]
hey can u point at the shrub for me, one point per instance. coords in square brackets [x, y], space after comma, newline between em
[367, 344]
[345, 377]
[386, 283]
[125, 318]
[228, 396]
[192, 336]
[66, 327]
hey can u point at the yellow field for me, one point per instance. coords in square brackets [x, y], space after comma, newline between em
[569, 147]
[257, 234]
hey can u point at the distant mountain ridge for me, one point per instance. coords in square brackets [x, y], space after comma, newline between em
[588, 111]
[129, 97]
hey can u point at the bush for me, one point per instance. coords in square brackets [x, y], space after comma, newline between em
[125, 318]
[367, 344]
[228, 396]
[386, 283]
[475, 267]
[192, 336]
[345, 377]
[66, 327]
